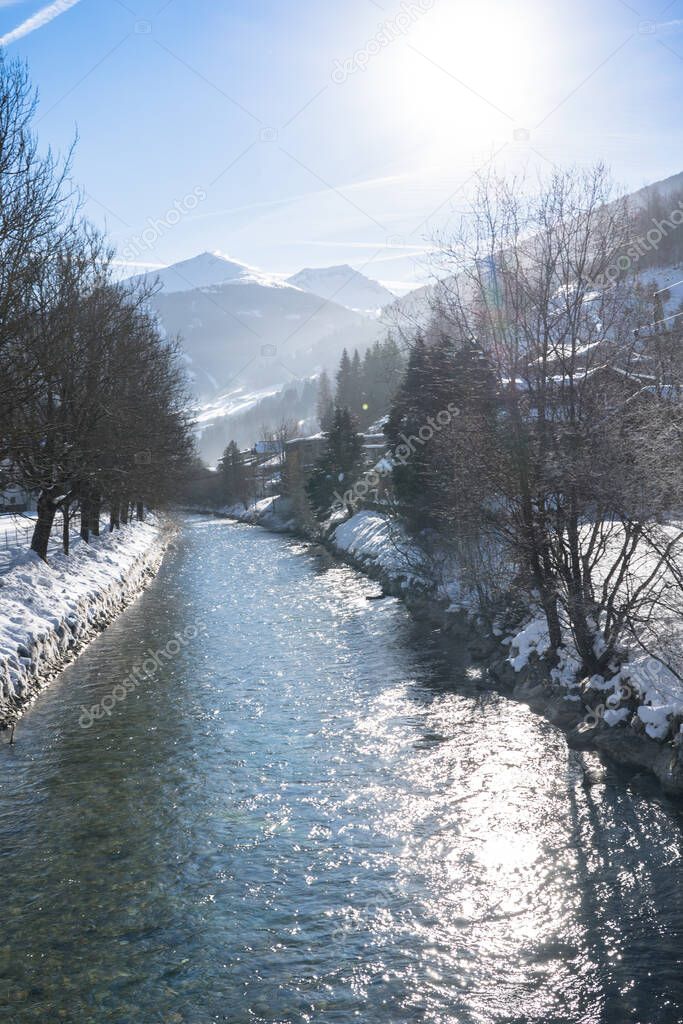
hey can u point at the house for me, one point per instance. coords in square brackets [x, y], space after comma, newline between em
[14, 498]
[302, 453]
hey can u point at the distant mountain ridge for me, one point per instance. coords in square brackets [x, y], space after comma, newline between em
[344, 285]
[660, 262]
[207, 270]
[246, 334]
[341, 284]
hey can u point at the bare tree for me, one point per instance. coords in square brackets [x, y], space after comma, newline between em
[576, 479]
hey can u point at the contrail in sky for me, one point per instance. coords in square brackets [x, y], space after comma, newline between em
[37, 20]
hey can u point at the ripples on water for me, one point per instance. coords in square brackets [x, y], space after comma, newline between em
[311, 814]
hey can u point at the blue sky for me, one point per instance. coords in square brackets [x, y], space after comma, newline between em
[313, 133]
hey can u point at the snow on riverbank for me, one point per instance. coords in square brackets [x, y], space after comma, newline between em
[374, 539]
[646, 693]
[48, 610]
[271, 513]
[378, 541]
[644, 696]
[644, 700]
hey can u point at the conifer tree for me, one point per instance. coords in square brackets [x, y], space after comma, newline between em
[338, 466]
[344, 381]
[234, 479]
[325, 402]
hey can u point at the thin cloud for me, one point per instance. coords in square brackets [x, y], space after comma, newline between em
[37, 20]
[342, 244]
[134, 264]
[265, 204]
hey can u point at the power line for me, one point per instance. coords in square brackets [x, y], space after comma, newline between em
[668, 286]
[644, 327]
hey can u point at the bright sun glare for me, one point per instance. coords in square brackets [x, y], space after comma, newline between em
[463, 76]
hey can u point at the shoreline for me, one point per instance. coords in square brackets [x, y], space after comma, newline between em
[60, 640]
[532, 685]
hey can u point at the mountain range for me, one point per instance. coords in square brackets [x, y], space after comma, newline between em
[246, 334]
[254, 340]
[238, 324]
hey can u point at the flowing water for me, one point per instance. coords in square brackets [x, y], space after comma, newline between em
[307, 811]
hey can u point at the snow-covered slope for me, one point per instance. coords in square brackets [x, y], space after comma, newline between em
[231, 403]
[344, 285]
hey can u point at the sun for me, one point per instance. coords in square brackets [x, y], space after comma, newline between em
[464, 74]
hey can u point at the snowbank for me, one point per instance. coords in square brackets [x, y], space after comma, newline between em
[47, 611]
[372, 537]
[380, 546]
[644, 695]
[272, 513]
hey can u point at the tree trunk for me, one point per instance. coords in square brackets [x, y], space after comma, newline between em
[124, 513]
[539, 564]
[584, 638]
[85, 517]
[549, 604]
[114, 514]
[140, 511]
[95, 509]
[46, 516]
[65, 527]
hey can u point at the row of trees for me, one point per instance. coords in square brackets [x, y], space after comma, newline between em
[363, 392]
[364, 386]
[92, 399]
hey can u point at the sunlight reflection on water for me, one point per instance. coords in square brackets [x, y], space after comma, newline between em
[312, 814]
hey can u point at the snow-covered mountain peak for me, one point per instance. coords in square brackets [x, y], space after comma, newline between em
[344, 285]
[208, 270]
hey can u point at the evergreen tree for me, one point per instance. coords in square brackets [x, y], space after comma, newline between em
[442, 380]
[356, 403]
[382, 371]
[233, 475]
[344, 397]
[338, 466]
[408, 413]
[325, 402]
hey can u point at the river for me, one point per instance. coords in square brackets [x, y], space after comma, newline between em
[311, 813]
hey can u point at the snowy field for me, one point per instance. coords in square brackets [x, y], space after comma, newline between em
[16, 532]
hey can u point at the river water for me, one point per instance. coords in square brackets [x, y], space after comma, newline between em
[310, 812]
